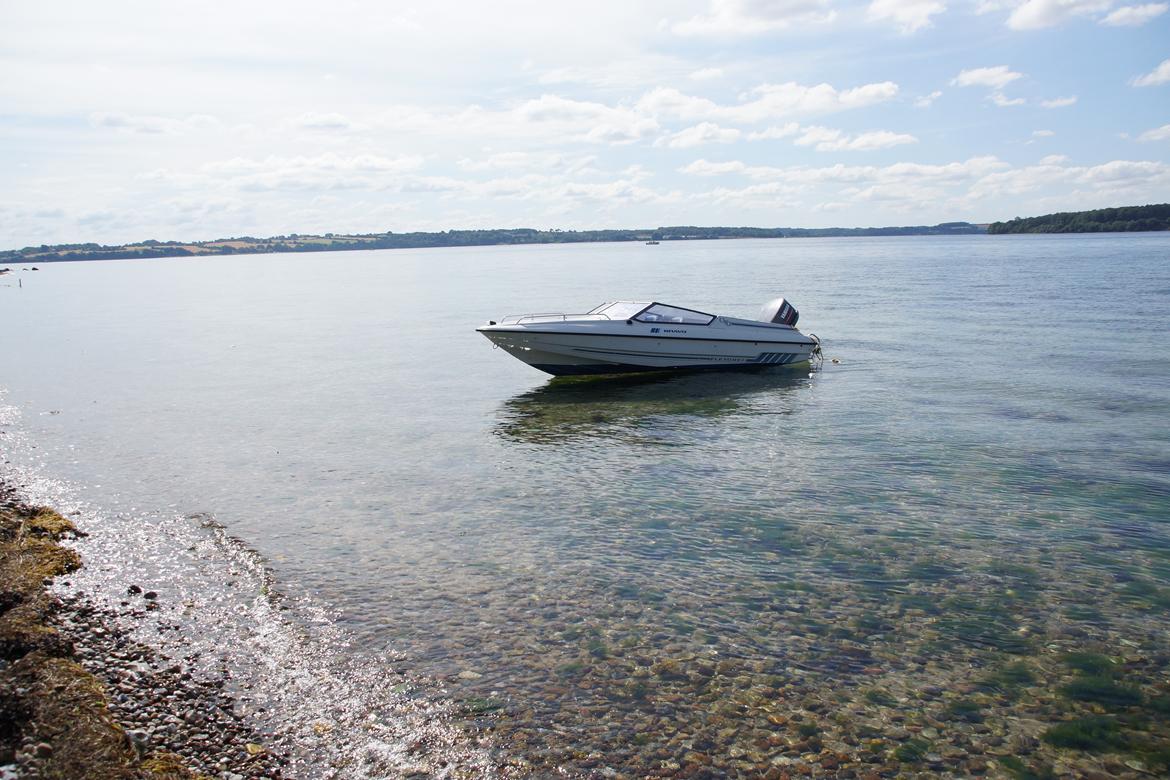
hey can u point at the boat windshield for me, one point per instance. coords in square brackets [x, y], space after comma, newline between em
[620, 310]
[660, 312]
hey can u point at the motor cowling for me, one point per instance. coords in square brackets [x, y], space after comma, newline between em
[780, 312]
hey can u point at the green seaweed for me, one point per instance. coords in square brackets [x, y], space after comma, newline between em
[628, 590]
[1144, 593]
[1102, 690]
[880, 697]
[1015, 767]
[571, 669]
[637, 690]
[872, 624]
[964, 709]
[995, 631]
[1157, 757]
[1159, 705]
[481, 706]
[1093, 664]
[1024, 580]
[779, 538]
[925, 602]
[1018, 673]
[931, 571]
[597, 648]
[807, 730]
[1008, 679]
[1084, 613]
[912, 751]
[1095, 734]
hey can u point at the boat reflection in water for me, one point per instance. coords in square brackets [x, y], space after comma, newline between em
[652, 409]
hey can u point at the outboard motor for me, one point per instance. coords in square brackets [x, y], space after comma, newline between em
[779, 311]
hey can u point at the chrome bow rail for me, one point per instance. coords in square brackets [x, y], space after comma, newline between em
[517, 319]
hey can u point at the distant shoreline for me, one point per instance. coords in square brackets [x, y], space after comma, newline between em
[335, 242]
[1117, 220]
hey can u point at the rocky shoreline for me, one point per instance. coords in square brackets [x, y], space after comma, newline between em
[80, 699]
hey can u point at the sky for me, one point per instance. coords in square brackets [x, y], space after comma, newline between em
[122, 121]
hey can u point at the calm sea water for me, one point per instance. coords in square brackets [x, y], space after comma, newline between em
[719, 573]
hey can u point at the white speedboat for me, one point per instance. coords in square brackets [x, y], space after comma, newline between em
[625, 336]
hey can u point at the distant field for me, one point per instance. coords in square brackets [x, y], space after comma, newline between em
[341, 242]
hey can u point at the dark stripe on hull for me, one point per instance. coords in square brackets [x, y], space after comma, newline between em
[624, 368]
[647, 336]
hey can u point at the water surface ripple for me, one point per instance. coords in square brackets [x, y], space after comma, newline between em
[889, 563]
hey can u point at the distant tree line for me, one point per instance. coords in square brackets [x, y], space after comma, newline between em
[332, 242]
[1117, 220]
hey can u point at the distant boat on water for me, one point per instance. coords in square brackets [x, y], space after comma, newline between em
[653, 243]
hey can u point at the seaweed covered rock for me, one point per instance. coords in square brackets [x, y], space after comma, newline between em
[55, 721]
[29, 556]
[68, 724]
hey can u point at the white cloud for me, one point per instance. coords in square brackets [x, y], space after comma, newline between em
[777, 100]
[611, 194]
[595, 122]
[153, 125]
[1037, 14]
[966, 185]
[754, 194]
[670, 102]
[1115, 177]
[1060, 102]
[1157, 134]
[996, 77]
[826, 139]
[736, 18]
[926, 100]
[314, 121]
[513, 161]
[327, 171]
[766, 102]
[1042, 133]
[629, 71]
[937, 175]
[1003, 100]
[1135, 15]
[989, 6]
[702, 133]
[775, 132]
[909, 15]
[706, 74]
[1159, 75]
[819, 137]
[708, 168]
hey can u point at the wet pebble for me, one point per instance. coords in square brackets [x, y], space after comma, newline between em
[144, 688]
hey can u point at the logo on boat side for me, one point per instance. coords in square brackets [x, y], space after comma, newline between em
[666, 330]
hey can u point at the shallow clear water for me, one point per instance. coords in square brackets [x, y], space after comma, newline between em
[984, 476]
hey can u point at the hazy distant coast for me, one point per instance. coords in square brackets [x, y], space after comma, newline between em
[333, 242]
[1112, 220]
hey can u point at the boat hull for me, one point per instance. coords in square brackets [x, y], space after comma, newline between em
[575, 354]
